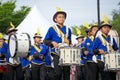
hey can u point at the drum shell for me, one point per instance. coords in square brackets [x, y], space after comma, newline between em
[69, 56]
[112, 61]
[22, 45]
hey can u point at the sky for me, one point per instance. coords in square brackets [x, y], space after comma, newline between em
[78, 11]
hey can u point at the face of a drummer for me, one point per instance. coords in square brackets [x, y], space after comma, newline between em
[94, 30]
[38, 40]
[105, 30]
[60, 19]
[79, 40]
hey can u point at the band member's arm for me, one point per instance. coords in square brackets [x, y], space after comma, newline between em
[95, 51]
[84, 51]
[44, 52]
[48, 43]
[98, 47]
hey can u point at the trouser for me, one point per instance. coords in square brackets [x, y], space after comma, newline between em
[1, 76]
[92, 71]
[81, 72]
[15, 72]
[50, 73]
[38, 72]
[57, 68]
[61, 72]
[66, 72]
[105, 75]
[27, 73]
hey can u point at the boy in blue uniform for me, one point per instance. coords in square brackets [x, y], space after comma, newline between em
[100, 48]
[56, 34]
[80, 69]
[38, 53]
[13, 63]
[91, 66]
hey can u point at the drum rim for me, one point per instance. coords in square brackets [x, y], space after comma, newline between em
[29, 41]
[15, 45]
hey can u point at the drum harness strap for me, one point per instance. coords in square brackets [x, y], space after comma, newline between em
[37, 49]
[61, 34]
[91, 38]
[107, 44]
[6, 41]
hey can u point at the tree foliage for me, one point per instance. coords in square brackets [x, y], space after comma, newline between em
[116, 20]
[81, 28]
[9, 14]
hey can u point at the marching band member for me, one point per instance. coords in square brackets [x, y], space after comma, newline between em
[104, 43]
[2, 58]
[91, 66]
[37, 54]
[58, 33]
[80, 69]
[13, 63]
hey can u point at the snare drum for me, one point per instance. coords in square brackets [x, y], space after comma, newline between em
[112, 61]
[19, 45]
[69, 56]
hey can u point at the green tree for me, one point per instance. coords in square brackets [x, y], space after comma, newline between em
[81, 28]
[116, 20]
[9, 14]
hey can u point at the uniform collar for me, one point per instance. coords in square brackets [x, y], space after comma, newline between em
[104, 35]
[91, 38]
[60, 26]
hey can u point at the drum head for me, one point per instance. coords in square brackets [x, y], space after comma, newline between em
[12, 45]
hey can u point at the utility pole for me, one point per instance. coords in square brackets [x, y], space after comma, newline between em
[98, 12]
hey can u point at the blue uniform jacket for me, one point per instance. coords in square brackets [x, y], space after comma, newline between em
[3, 51]
[5, 45]
[53, 36]
[47, 60]
[98, 45]
[44, 51]
[88, 44]
[24, 62]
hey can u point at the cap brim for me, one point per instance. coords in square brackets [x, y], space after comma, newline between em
[9, 31]
[94, 26]
[105, 25]
[79, 37]
[37, 37]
